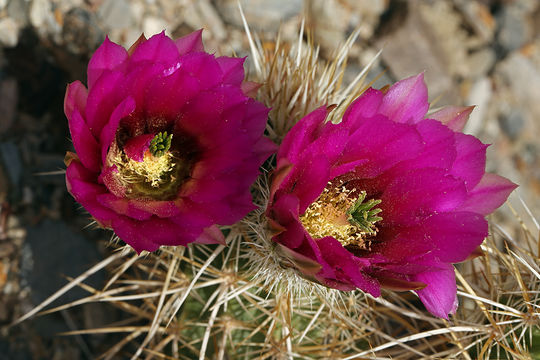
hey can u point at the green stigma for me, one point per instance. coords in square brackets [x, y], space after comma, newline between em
[364, 214]
[160, 144]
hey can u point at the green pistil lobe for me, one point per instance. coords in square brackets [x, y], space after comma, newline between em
[364, 214]
[160, 144]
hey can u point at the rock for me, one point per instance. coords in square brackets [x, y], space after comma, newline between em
[73, 255]
[522, 78]
[446, 25]
[329, 21]
[9, 32]
[40, 10]
[515, 28]
[479, 18]
[405, 57]
[81, 34]
[12, 161]
[8, 102]
[153, 25]
[365, 15]
[18, 10]
[480, 62]
[115, 14]
[260, 14]
[512, 123]
[479, 95]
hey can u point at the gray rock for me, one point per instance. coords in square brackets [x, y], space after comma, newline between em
[18, 11]
[519, 74]
[81, 34]
[479, 95]
[405, 57]
[514, 28]
[8, 102]
[115, 14]
[512, 124]
[260, 14]
[12, 161]
[40, 10]
[480, 62]
[54, 251]
[153, 25]
[9, 32]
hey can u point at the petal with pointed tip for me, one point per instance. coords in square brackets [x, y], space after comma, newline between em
[190, 43]
[406, 101]
[490, 193]
[108, 56]
[439, 296]
[455, 117]
[75, 98]
[84, 142]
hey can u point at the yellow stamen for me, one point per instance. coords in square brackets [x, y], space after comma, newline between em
[328, 216]
[153, 170]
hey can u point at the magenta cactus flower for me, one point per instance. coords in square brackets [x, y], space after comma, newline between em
[387, 198]
[167, 142]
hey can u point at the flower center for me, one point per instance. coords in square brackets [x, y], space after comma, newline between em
[160, 173]
[343, 214]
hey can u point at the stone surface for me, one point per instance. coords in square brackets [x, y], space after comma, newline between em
[9, 32]
[81, 33]
[115, 14]
[514, 27]
[12, 161]
[8, 102]
[260, 14]
[512, 123]
[68, 254]
[153, 25]
[522, 78]
[402, 55]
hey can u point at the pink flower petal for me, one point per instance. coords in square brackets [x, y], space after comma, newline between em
[108, 133]
[250, 88]
[211, 235]
[455, 117]
[159, 48]
[166, 95]
[135, 147]
[103, 98]
[365, 107]
[406, 101]
[232, 68]
[190, 43]
[439, 296]
[346, 269]
[136, 44]
[76, 95]
[108, 56]
[122, 206]
[420, 193]
[84, 142]
[470, 160]
[449, 237]
[80, 185]
[302, 134]
[381, 142]
[490, 193]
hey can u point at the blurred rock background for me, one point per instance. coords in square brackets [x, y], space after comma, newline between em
[473, 52]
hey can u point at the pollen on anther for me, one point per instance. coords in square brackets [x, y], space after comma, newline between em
[330, 215]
